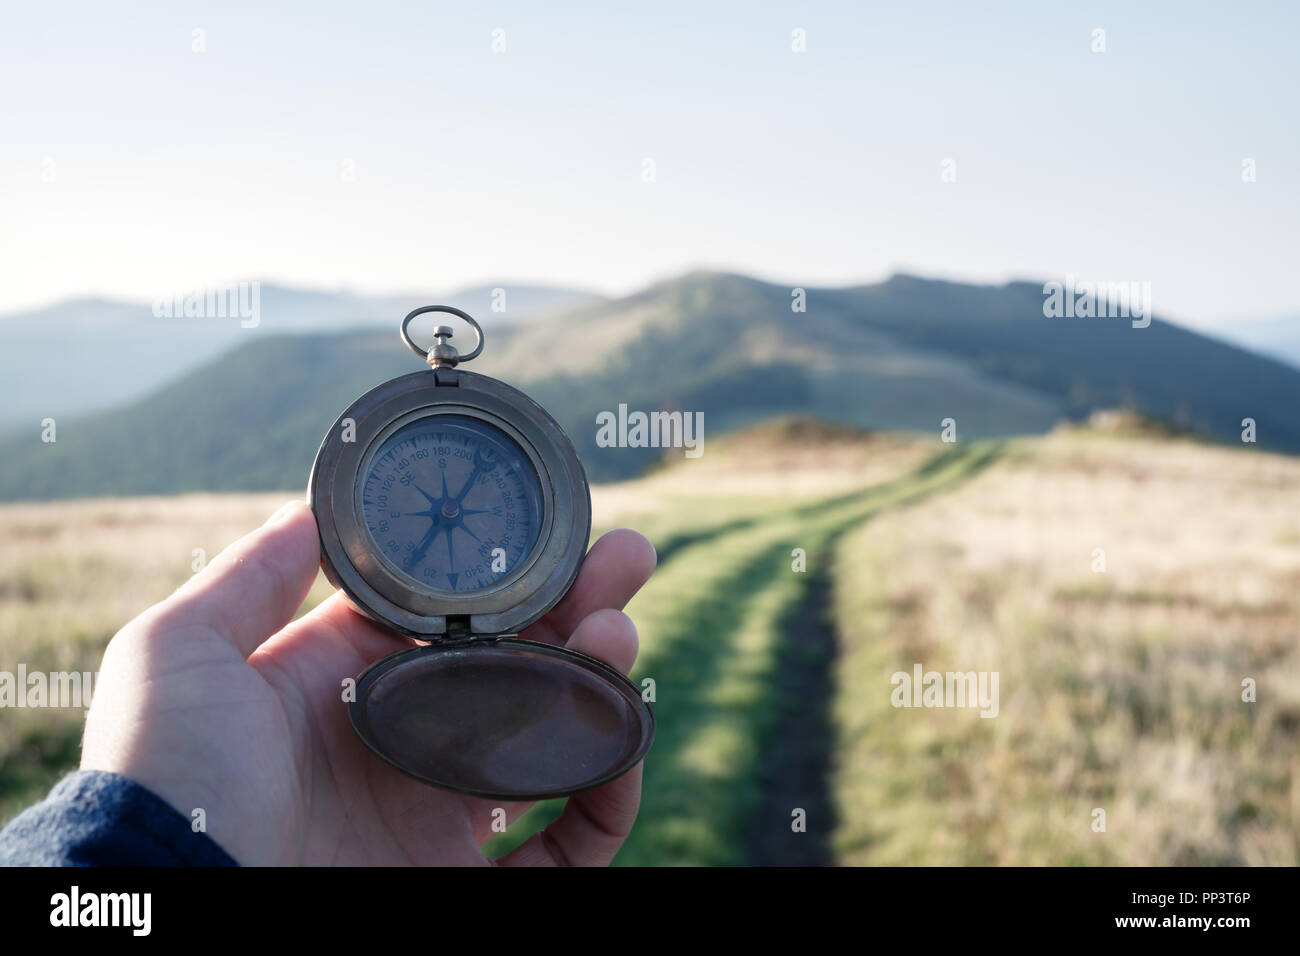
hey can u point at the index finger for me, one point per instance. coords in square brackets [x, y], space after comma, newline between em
[615, 568]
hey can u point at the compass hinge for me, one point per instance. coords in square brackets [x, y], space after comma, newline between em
[458, 627]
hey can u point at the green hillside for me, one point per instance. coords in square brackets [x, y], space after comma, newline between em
[83, 356]
[903, 355]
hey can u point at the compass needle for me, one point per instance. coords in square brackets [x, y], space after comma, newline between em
[420, 454]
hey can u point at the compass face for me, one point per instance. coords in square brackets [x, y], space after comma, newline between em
[452, 503]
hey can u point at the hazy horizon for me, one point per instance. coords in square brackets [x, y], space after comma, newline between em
[1208, 326]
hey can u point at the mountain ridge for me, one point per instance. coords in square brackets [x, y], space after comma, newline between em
[128, 350]
[898, 355]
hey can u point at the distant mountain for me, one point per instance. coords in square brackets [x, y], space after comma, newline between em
[87, 355]
[1277, 338]
[902, 354]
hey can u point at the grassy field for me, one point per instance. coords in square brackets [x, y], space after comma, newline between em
[1120, 689]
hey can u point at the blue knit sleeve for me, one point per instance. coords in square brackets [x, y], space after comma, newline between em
[92, 818]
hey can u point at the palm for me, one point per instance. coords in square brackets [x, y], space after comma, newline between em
[263, 745]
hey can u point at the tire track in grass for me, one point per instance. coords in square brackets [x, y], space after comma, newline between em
[796, 765]
[798, 761]
[709, 659]
[708, 673]
[714, 620]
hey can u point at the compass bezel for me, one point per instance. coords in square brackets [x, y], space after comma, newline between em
[350, 556]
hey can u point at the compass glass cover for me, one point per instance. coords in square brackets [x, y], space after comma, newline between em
[452, 502]
[511, 719]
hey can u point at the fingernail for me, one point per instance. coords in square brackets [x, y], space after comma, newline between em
[281, 512]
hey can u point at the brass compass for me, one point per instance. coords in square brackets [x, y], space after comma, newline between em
[454, 510]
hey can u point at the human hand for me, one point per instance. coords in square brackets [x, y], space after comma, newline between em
[216, 699]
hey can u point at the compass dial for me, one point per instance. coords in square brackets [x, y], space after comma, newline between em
[452, 502]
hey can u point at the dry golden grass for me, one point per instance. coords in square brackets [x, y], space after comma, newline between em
[71, 574]
[1120, 690]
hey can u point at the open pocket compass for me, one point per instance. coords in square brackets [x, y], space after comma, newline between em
[453, 509]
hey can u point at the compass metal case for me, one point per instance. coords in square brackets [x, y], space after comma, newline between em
[531, 588]
[474, 710]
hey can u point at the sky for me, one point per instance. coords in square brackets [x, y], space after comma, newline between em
[390, 147]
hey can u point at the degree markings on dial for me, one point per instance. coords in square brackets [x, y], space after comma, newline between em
[511, 517]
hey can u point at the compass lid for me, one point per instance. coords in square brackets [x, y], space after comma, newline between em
[505, 719]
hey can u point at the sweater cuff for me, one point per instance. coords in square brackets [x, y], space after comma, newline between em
[93, 818]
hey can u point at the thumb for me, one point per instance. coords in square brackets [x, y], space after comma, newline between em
[252, 588]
